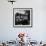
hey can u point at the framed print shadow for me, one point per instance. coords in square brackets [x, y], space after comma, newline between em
[22, 17]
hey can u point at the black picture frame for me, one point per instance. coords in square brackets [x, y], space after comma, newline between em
[22, 17]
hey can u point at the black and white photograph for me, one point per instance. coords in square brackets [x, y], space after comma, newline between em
[22, 22]
[22, 17]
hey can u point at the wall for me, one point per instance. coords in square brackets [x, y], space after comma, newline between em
[37, 32]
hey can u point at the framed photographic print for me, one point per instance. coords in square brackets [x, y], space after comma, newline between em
[22, 17]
